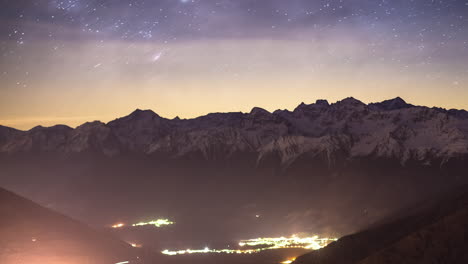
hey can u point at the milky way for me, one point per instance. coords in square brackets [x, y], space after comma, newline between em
[70, 61]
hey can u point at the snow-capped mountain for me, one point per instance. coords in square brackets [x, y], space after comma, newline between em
[345, 130]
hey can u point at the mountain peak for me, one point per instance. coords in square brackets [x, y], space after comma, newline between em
[300, 106]
[318, 103]
[322, 102]
[350, 101]
[90, 126]
[143, 113]
[398, 98]
[38, 127]
[259, 111]
[51, 128]
[391, 104]
[139, 114]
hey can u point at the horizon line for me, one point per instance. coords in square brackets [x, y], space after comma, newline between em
[113, 118]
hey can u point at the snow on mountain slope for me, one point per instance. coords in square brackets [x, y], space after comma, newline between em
[390, 129]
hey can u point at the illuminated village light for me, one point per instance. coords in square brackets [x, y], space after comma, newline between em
[289, 261]
[118, 225]
[157, 223]
[294, 241]
[135, 245]
[269, 243]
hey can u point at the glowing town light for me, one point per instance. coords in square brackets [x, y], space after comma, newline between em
[289, 261]
[262, 244]
[207, 250]
[157, 223]
[118, 225]
[135, 245]
[294, 241]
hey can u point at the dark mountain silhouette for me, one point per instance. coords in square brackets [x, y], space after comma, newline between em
[392, 104]
[432, 232]
[30, 233]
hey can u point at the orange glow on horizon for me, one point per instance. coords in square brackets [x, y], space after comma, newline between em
[186, 88]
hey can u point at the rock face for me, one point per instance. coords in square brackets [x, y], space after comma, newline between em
[33, 234]
[434, 232]
[343, 131]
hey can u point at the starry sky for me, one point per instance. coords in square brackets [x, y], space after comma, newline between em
[71, 61]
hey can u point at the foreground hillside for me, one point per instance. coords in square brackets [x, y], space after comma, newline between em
[434, 232]
[31, 234]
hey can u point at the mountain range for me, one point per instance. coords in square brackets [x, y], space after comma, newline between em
[340, 132]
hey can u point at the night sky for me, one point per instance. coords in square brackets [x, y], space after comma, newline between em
[81, 60]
